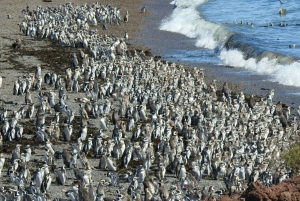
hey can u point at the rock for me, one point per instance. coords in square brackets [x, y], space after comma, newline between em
[288, 190]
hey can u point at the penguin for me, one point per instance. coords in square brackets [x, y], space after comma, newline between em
[126, 36]
[126, 17]
[100, 188]
[47, 78]
[2, 161]
[141, 173]
[5, 128]
[161, 172]
[163, 192]
[3, 114]
[53, 79]
[66, 158]
[102, 123]
[46, 183]
[99, 197]
[75, 86]
[137, 132]
[49, 147]
[127, 156]
[28, 99]
[84, 160]
[104, 25]
[61, 176]
[102, 163]
[38, 84]
[70, 117]
[113, 178]
[16, 153]
[181, 172]
[51, 99]
[115, 117]
[67, 132]
[226, 90]
[83, 192]
[30, 111]
[130, 124]
[110, 164]
[74, 62]
[48, 157]
[16, 88]
[19, 131]
[83, 112]
[88, 145]
[83, 133]
[73, 160]
[58, 83]
[28, 153]
[142, 113]
[38, 179]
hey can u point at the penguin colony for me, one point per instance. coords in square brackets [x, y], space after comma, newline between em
[154, 118]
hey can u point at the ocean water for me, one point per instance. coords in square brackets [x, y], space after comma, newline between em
[247, 35]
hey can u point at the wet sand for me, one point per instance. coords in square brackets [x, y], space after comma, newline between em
[165, 43]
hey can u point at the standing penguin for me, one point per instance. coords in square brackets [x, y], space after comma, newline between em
[28, 153]
[16, 87]
[130, 124]
[115, 117]
[30, 111]
[182, 172]
[126, 158]
[38, 71]
[28, 99]
[67, 132]
[142, 112]
[126, 36]
[2, 161]
[141, 173]
[74, 60]
[0, 81]
[126, 17]
[83, 133]
[46, 183]
[226, 90]
[16, 153]
[61, 176]
[161, 172]
[102, 123]
[110, 164]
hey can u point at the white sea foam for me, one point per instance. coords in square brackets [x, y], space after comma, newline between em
[187, 20]
[188, 3]
[283, 74]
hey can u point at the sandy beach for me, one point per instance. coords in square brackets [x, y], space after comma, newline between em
[53, 58]
[19, 63]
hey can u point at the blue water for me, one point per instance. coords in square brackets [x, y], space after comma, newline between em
[237, 16]
[220, 37]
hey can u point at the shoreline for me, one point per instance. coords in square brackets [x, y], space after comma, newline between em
[250, 82]
[27, 59]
